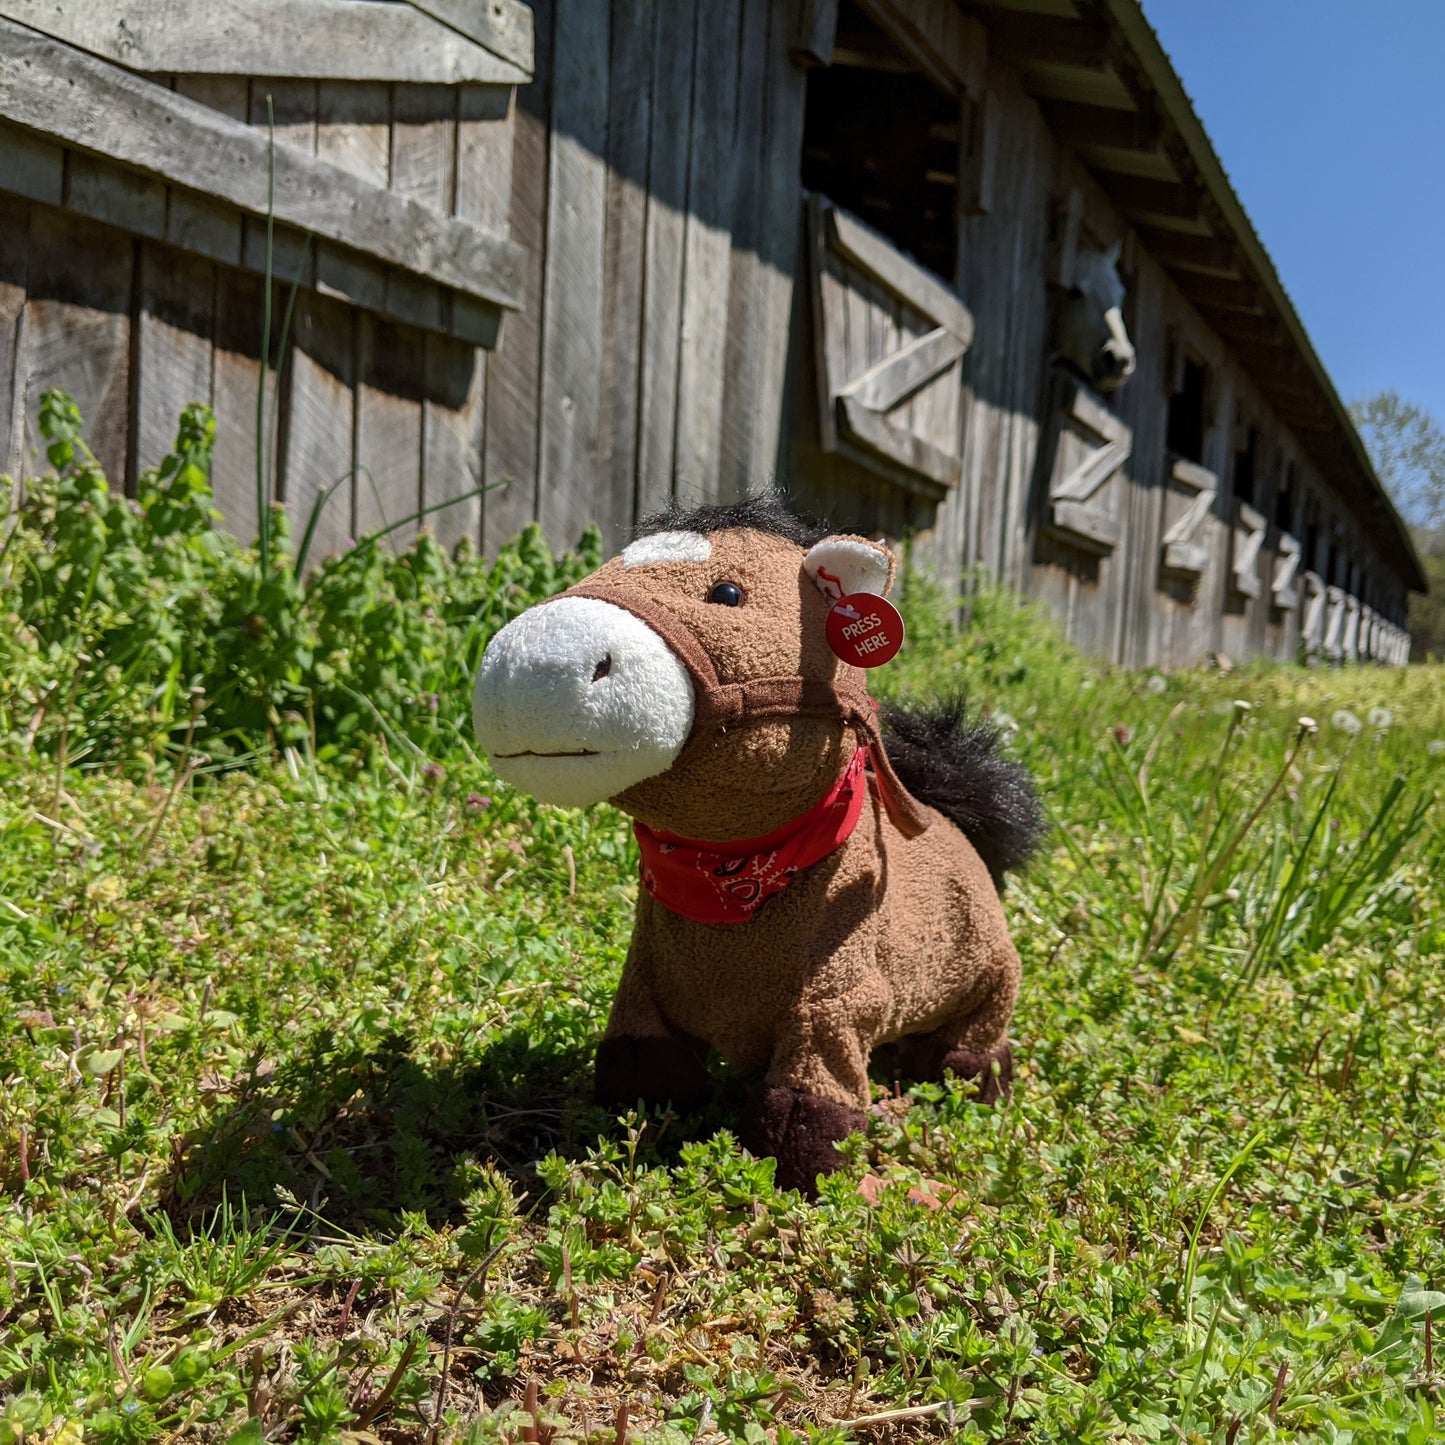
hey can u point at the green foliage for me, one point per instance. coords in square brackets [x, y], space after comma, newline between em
[137, 629]
[1407, 447]
[295, 1131]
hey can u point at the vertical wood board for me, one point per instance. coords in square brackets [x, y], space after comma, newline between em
[318, 385]
[513, 386]
[77, 330]
[176, 321]
[668, 173]
[707, 250]
[629, 132]
[572, 305]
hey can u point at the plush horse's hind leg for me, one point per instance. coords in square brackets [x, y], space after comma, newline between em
[973, 1044]
[642, 1056]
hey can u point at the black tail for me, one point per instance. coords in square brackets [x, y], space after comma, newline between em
[956, 769]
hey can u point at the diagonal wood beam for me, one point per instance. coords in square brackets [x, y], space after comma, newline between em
[305, 39]
[502, 26]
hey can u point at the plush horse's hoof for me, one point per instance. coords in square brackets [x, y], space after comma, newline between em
[993, 1073]
[655, 1071]
[922, 1059]
[799, 1130]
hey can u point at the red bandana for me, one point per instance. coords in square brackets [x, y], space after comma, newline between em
[729, 882]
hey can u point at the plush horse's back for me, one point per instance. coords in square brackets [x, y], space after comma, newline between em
[955, 768]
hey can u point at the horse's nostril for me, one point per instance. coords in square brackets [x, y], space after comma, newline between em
[602, 668]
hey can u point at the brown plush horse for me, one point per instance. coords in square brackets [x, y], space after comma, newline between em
[801, 902]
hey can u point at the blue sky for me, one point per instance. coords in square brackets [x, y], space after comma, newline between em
[1329, 117]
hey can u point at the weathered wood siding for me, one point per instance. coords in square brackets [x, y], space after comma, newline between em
[679, 335]
[381, 412]
[1152, 560]
[655, 189]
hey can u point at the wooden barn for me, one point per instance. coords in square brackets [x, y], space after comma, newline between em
[964, 272]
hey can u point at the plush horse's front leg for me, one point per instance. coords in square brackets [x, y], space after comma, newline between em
[973, 1044]
[816, 1091]
[642, 1056]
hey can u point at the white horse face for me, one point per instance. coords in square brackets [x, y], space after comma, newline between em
[1089, 332]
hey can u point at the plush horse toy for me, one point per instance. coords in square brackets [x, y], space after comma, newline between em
[802, 900]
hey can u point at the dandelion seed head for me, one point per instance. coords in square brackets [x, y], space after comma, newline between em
[1157, 683]
[1435, 747]
[1380, 718]
[1346, 722]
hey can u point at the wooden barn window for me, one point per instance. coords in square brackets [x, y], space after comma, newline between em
[1245, 467]
[1191, 487]
[1187, 408]
[1284, 501]
[883, 142]
[889, 341]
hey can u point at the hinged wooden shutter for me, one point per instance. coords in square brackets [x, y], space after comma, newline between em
[1092, 445]
[890, 338]
[1284, 593]
[1249, 529]
[1185, 551]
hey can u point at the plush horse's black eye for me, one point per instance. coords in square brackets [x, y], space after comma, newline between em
[728, 594]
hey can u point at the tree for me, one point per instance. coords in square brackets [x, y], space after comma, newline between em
[1407, 447]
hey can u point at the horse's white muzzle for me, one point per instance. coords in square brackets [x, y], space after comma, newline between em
[1115, 362]
[578, 700]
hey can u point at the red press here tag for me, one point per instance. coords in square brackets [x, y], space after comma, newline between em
[865, 630]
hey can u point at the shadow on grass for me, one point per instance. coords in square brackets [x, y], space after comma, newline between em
[366, 1137]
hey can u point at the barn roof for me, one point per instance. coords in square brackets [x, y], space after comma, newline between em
[1108, 89]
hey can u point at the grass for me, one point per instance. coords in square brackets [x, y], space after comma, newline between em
[296, 1140]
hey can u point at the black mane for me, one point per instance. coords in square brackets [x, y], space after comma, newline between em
[763, 513]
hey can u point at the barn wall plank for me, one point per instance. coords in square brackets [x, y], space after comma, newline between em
[77, 330]
[454, 409]
[286, 109]
[668, 180]
[779, 250]
[14, 278]
[572, 305]
[454, 390]
[353, 131]
[745, 330]
[176, 299]
[391, 413]
[235, 384]
[391, 370]
[629, 133]
[229, 94]
[707, 251]
[514, 369]
[318, 385]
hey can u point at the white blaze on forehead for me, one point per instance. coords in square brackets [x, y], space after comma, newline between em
[577, 700]
[667, 547]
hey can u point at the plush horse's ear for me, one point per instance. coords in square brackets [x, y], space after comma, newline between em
[841, 566]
